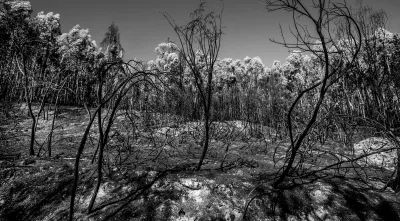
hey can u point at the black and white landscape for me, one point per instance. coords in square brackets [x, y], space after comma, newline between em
[94, 131]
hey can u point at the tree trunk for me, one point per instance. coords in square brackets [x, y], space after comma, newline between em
[103, 140]
[101, 145]
[28, 101]
[76, 168]
[52, 126]
[33, 131]
[206, 142]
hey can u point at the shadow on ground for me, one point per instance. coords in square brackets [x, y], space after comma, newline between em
[41, 192]
[327, 199]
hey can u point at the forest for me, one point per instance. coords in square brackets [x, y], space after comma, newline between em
[89, 134]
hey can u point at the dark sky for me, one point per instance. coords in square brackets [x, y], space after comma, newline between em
[249, 26]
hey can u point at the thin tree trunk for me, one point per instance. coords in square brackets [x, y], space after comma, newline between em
[52, 126]
[28, 101]
[76, 168]
[103, 139]
[206, 143]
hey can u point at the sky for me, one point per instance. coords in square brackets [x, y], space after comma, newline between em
[248, 24]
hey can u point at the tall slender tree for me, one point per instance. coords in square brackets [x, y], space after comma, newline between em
[112, 41]
[200, 42]
[338, 38]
